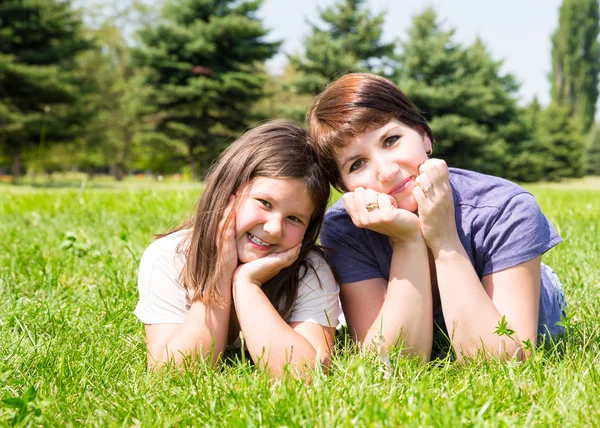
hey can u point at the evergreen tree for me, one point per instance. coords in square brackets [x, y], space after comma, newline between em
[564, 144]
[576, 60]
[530, 157]
[205, 61]
[593, 151]
[39, 82]
[349, 41]
[470, 106]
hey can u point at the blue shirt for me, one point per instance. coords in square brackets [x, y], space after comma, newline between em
[500, 225]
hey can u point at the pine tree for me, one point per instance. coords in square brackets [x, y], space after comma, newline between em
[205, 59]
[350, 40]
[559, 135]
[39, 82]
[576, 60]
[470, 106]
[593, 151]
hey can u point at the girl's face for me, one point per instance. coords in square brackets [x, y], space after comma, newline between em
[272, 217]
[386, 160]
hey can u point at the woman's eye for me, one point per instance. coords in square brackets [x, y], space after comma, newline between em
[357, 164]
[390, 141]
[265, 203]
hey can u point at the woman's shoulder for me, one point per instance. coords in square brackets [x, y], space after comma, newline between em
[477, 190]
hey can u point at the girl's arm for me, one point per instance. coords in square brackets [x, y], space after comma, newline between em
[271, 341]
[203, 332]
[473, 309]
[205, 328]
[399, 309]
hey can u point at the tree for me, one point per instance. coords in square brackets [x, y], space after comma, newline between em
[576, 60]
[205, 61]
[470, 106]
[350, 40]
[593, 151]
[559, 135]
[39, 83]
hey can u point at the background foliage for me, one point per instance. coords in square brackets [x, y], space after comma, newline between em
[118, 87]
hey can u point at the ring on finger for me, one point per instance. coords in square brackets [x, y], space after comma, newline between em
[372, 206]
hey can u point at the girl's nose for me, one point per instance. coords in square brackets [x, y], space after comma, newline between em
[273, 226]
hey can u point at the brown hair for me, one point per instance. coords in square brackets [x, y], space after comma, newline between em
[276, 149]
[352, 105]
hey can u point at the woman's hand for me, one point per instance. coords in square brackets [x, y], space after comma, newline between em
[436, 205]
[261, 270]
[226, 244]
[379, 212]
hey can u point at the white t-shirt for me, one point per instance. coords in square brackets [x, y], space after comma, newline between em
[164, 300]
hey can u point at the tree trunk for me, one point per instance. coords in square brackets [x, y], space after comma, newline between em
[17, 166]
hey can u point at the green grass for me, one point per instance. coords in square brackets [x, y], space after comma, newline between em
[72, 352]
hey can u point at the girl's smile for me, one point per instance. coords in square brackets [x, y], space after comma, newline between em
[272, 217]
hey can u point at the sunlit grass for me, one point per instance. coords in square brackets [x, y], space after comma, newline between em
[72, 352]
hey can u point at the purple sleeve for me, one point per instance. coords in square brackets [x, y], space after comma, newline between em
[518, 233]
[347, 249]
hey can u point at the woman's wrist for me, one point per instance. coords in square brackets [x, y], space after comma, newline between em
[446, 249]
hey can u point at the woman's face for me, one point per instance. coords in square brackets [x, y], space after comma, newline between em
[272, 217]
[386, 160]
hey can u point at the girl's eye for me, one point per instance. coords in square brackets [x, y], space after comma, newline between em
[357, 164]
[390, 141]
[295, 219]
[265, 203]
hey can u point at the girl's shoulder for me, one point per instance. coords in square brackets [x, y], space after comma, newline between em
[167, 250]
[319, 273]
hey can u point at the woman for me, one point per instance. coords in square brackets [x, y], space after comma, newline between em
[412, 239]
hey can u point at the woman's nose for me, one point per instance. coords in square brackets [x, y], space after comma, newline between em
[386, 170]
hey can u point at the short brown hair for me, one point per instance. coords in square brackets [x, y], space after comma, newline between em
[352, 105]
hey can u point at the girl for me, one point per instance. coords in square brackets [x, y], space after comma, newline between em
[248, 260]
[414, 239]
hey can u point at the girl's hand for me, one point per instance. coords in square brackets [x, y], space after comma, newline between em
[261, 270]
[436, 205]
[226, 244]
[379, 212]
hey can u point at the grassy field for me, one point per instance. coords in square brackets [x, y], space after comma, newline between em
[72, 352]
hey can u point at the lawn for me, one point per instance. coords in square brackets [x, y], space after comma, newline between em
[72, 352]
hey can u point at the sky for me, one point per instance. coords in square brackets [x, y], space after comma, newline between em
[518, 32]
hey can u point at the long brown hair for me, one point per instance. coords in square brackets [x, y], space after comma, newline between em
[276, 149]
[352, 105]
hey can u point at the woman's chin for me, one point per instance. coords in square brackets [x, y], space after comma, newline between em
[408, 203]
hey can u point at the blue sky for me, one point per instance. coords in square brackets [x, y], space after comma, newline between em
[515, 31]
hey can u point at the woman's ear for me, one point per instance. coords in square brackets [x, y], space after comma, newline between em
[427, 144]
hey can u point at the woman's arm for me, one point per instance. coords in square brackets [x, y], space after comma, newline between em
[203, 332]
[399, 310]
[474, 309]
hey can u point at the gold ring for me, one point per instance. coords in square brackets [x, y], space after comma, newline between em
[372, 206]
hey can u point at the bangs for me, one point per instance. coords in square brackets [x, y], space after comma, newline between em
[334, 132]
